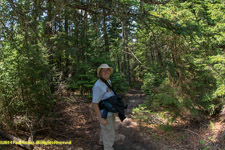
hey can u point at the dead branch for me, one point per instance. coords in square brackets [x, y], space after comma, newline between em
[192, 132]
[132, 54]
[59, 134]
[16, 140]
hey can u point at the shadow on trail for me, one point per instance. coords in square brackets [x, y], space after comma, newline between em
[75, 120]
[133, 139]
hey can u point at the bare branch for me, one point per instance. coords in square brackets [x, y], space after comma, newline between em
[192, 132]
[131, 53]
[17, 141]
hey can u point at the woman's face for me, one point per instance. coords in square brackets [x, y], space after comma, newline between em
[105, 73]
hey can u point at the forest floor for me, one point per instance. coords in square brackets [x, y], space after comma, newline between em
[74, 120]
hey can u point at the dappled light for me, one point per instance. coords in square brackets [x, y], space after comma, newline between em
[67, 65]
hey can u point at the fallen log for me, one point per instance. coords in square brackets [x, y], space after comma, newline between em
[17, 141]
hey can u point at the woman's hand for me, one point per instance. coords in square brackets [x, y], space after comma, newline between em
[104, 121]
[97, 110]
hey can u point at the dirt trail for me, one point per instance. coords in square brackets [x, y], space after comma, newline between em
[82, 127]
[128, 135]
[75, 120]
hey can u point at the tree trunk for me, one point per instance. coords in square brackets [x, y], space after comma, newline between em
[127, 55]
[66, 70]
[76, 44]
[48, 33]
[128, 69]
[106, 39]
[123, 50]
[118, 63]
[35, 14]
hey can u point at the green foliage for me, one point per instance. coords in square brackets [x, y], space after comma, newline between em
[211, 125]
[165, 128]
[166, 98]
[177, 49]
[217, 66]
[142, 113]
[82, 81]
[119, 82]
[153, 78]
[25, 90]
[190, 71]
[198, 93]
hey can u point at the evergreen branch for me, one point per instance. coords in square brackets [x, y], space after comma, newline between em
[155, 2]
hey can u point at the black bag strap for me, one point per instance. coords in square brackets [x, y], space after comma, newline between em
[109, 86]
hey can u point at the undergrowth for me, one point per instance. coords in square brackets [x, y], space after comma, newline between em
[208, 135]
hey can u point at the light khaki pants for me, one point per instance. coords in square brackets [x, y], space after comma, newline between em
[107, 133]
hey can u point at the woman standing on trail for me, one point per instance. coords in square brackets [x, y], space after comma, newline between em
[102, 92]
